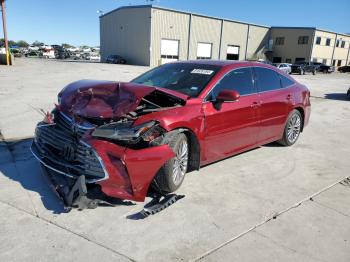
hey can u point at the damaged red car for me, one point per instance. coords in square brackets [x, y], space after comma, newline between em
[125, 138]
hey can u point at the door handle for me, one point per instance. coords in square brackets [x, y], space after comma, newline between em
[255, 105]
[289, 97]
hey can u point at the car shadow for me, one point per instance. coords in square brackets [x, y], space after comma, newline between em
[273, 144]
[23, 168]
[337, 96]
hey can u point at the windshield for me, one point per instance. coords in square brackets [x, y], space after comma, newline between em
[189, 79]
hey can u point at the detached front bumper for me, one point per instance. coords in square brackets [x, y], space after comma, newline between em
[119, 172]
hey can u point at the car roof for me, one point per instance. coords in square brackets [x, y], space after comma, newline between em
[224, 63]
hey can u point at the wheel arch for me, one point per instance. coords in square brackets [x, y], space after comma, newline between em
[195, 152]
[302, 112]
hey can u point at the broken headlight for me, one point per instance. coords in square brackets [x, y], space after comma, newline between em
[115, 131]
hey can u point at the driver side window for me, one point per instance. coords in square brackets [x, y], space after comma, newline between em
[239, 79]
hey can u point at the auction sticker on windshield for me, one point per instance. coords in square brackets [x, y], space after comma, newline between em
[202, 71]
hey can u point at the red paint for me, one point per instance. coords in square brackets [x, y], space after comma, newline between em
[130, 171]
[104, 99]
[238, 126]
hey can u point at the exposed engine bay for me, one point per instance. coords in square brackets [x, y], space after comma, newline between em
[122, 131]
[117, 112]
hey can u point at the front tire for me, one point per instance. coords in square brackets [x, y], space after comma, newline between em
[292, 129]
[170, 177]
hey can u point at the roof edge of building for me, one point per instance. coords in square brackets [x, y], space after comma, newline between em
[222, 19]
[329, 31]
[309, 28]
[126, 7]
[182, 12]
[207, 16]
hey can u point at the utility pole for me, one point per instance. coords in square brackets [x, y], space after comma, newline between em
[5, 32]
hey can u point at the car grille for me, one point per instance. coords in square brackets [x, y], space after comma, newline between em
[66, 124]
[58, 147]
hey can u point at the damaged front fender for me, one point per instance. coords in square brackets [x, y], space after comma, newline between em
[130, 171]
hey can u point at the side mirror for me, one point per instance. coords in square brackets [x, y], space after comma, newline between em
[227, 96]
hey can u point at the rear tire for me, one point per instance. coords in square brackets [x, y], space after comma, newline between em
[292, 129]
[170, 177]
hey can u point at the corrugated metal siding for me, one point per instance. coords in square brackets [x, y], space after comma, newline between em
[174, 25]
[206, 30]
[168, 25]
[136, 33]
[126, 32]
[257, 42]
[234, 34]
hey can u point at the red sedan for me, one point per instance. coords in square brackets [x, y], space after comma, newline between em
[123, 138]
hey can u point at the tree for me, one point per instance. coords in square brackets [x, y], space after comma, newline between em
[37, 43]
[12, 43]
[65, 45]
[85, 47]
[22, 43]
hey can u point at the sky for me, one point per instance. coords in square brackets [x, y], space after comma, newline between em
[77, 22]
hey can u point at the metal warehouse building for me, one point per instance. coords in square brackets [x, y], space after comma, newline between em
[150, 35]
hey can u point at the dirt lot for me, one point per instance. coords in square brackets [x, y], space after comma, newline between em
[229, 207]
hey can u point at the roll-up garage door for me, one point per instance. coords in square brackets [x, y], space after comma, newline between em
[169, 50]
[232, 52]
[204, 50]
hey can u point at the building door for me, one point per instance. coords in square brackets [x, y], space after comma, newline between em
[299, 59]
[204, 50]
[169, 50]
[277, 59]
[232, 52]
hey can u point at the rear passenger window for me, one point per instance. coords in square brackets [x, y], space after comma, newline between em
[286, 82]
[239, 79]
[267, 79]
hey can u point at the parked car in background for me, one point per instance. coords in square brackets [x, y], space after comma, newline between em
[320, 67]
[95, 57]
[85, 56]
[16, 52]
[286, 68]
[344, 69]
[34, 54]
[303, 67]
[61, 53]
[49, 53]
[121, 138]
[115, 59]
[74, 56]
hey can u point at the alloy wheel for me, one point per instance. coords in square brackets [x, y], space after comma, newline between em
[180, 163]
[293, 129]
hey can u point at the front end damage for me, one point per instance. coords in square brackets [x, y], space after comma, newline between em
[89, 149]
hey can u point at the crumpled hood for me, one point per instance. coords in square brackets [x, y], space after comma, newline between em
[102, 99]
